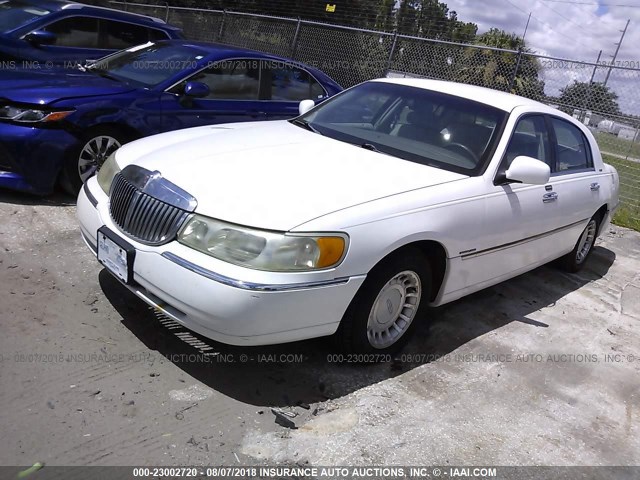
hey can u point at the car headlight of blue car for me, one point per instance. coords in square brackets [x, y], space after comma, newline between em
[32, 115]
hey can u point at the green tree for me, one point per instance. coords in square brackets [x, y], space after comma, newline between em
[594, 96]
[495, 68]
[436, 21]
[407, 17]
[385, 20]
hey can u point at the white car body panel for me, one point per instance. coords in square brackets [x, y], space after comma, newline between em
[278, 157]
[277, 176]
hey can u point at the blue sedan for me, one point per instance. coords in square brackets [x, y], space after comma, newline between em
[62, 124]
[39, 33]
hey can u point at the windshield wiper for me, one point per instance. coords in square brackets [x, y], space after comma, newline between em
[93, 67]
[304, 124]
[370, 146]
[104, 74]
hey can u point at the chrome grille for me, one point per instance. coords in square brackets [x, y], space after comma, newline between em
[143, 217]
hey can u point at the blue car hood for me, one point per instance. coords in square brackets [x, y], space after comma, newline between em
[48, 87]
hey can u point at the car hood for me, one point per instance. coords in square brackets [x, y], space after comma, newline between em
[275, 175]
[46, 87]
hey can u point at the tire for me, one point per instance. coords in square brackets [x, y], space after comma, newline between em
[83, 162]
[368, 324]
[575, 260]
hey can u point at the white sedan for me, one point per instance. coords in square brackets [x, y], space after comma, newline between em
[352, 219]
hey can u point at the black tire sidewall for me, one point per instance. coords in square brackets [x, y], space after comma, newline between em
[352, 333]
[570, 263]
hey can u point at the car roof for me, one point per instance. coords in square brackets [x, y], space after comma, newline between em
[66, 5]
[219, 50]
[210, 47]
[502, 100]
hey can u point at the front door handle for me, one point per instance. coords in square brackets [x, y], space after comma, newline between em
[550, 197]
[595, 186]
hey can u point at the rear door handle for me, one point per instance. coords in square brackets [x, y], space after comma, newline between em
[549, 197]
[595, 186]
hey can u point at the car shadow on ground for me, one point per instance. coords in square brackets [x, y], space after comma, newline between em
[311, 371]
[56, 199]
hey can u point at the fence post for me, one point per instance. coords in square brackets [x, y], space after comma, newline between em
[393, 50]
[294, 45]
[632, 143]
[515, 70]
[166, 15]
[221, 31]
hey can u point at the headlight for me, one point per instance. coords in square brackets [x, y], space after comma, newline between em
[262, 250]
[31, 115]
[107, 172]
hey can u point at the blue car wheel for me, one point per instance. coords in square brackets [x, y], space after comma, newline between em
[94, 149]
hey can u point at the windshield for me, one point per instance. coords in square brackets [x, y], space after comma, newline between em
[15, 14]
[414, 124]
[149, 64]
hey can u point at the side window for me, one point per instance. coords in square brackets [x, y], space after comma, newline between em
[229, 80]
[572, 148]
[292, 84]
[530, 138]
[118, 35]
[81, 32]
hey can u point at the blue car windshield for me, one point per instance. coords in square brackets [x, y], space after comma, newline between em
[149, 65]
[15, 14]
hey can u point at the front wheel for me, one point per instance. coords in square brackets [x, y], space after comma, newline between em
[575, 260]
[94, 149]
[384, 312]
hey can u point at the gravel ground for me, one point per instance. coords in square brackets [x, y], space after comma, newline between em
[540, 370]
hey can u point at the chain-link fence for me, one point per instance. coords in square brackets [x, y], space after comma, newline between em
[604, 97]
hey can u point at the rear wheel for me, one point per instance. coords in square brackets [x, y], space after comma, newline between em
[95, 148]
[384, 312]
[575, 260]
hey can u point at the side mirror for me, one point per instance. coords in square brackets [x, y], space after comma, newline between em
[41, 37]
[305, 106]
[196, 90]
[528, 170]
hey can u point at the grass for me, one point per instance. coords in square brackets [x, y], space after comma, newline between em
[612, 144]
[628, 214]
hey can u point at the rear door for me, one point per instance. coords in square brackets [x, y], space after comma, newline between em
[574, 176]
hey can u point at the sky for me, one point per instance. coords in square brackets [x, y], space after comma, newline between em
[571, 29]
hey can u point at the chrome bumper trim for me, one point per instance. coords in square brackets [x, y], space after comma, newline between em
[89, 195]
[89, 244]
[259, 287]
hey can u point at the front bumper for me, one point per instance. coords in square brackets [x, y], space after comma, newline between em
[31, 157]
[214, 299]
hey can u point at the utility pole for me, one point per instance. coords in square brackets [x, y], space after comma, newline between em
[587, 101]
[519, 57]
[615, 55]
[526, 27]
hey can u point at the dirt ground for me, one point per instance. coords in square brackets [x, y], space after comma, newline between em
[540, 370]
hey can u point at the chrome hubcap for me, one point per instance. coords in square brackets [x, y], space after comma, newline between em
[586, 241]
[394, 309]
[94, 154]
